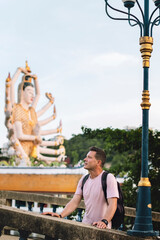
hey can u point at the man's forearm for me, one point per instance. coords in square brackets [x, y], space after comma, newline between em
[111, 209]
[71, 206]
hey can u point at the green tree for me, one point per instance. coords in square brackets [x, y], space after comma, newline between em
[78, 145]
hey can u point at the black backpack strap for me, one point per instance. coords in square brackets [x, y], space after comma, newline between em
[84, 180]
[104, 184]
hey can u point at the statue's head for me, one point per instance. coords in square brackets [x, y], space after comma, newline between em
[26, 90]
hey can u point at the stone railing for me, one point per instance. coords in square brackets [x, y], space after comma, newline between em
[6, 198]
[54, 228]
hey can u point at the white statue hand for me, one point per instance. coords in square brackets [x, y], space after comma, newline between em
[36, 130]
[38, 140]
[49, 96]
[34, 77]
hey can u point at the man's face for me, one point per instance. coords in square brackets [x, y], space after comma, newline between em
[90, 162]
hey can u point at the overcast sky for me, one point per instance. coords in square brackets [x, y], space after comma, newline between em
[90, 63]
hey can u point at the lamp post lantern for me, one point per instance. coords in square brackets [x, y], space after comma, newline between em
[143, 221]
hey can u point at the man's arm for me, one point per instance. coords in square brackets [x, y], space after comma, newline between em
[112, 206]
[69, 208]
[72, 205]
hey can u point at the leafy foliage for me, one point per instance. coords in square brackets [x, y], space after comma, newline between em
[78, 145]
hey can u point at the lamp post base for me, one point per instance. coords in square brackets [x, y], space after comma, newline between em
[142, 233]
[143, 221]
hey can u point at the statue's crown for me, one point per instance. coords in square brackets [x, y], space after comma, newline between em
[27, 67]
[28, 78]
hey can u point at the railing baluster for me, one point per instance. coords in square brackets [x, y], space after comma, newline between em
[55, 208]
[1, 229]
[23, 234]
[30, 204]
[41, 207]
[79, 217]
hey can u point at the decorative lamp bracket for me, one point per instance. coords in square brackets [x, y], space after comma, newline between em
[157, 3]
[129, 3]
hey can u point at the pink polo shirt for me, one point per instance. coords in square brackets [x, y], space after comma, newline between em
[95, 202]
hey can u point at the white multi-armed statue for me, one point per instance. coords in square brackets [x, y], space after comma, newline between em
[24, 128]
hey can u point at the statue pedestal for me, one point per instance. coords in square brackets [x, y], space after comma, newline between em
[38, 179]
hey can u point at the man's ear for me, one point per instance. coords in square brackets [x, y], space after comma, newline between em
[100, 163]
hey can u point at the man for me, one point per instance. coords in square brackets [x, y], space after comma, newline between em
[98, 212]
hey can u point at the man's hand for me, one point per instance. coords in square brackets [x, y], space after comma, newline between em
[100, 224]
[52, 214]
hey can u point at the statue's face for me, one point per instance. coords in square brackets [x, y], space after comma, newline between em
[28, 94]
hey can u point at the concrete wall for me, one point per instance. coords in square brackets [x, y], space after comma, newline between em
[56, 228]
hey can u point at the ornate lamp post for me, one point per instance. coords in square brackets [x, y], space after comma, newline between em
[143, 221]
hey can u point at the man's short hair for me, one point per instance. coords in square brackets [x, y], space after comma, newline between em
[100, 154]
